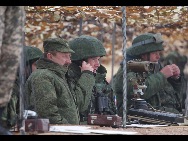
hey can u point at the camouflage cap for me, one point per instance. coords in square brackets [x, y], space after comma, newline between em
[146, 43]
[57, 44]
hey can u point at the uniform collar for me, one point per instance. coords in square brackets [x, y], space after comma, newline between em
[44, 63]
[75, 69]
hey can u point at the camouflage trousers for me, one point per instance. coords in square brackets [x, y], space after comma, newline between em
[11, 43]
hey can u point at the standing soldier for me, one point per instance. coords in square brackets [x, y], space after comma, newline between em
[89, 49]
[11, 44]
[163, 85]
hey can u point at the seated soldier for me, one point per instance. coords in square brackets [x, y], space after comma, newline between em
[89, 49]
[47, 86]
[11, 111]
[163, 85]
[180, 60]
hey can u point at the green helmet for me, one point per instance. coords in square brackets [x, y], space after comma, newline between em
[86, 47]
[146, 43]
[32, 54]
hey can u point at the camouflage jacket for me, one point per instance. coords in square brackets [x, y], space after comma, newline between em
[103, 86]
[11, 111]
[81, 85]
[12, 20]
[180, 60]
[54, 100]
[100, 84]
[161, 93]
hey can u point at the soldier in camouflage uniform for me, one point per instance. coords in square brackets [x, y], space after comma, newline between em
[47, 86]
[180, 60]
[10, 113]
[11, 44]
[163, 85]
[89, 49]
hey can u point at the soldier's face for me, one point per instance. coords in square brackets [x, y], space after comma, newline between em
[154, 56]
[61, 58]
[94, 62]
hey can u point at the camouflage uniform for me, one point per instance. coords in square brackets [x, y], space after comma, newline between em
[48, 87]
[180, 60]
[87, 47]
[118, 89]
[11, 43]
[176, 58]
[103, 86]
[161, 93]
[11, 111]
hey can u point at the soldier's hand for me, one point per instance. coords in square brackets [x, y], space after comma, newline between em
[167, 71]
[86, 66]
[176, 71]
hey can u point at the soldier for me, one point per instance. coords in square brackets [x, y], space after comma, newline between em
[47, 86]
[180, 60]
[31, 56]
[11, 44]
[163, 85]
[89, 49]
[9, 116]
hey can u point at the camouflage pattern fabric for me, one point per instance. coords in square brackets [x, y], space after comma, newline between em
[32, 54]
[176, 58]
[57, 44]
[118, 90]
[80, 84]
[48, 86]
[11, 44]
[103, 86]
[11, 111]
[161, 93]
[100, 84]
[180, 60]
[86, 47]
[144, 48]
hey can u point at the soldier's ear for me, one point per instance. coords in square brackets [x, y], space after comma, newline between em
[49, 56]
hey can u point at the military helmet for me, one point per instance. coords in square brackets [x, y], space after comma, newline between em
[146, 43]
[86, 47]
[32, 54]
